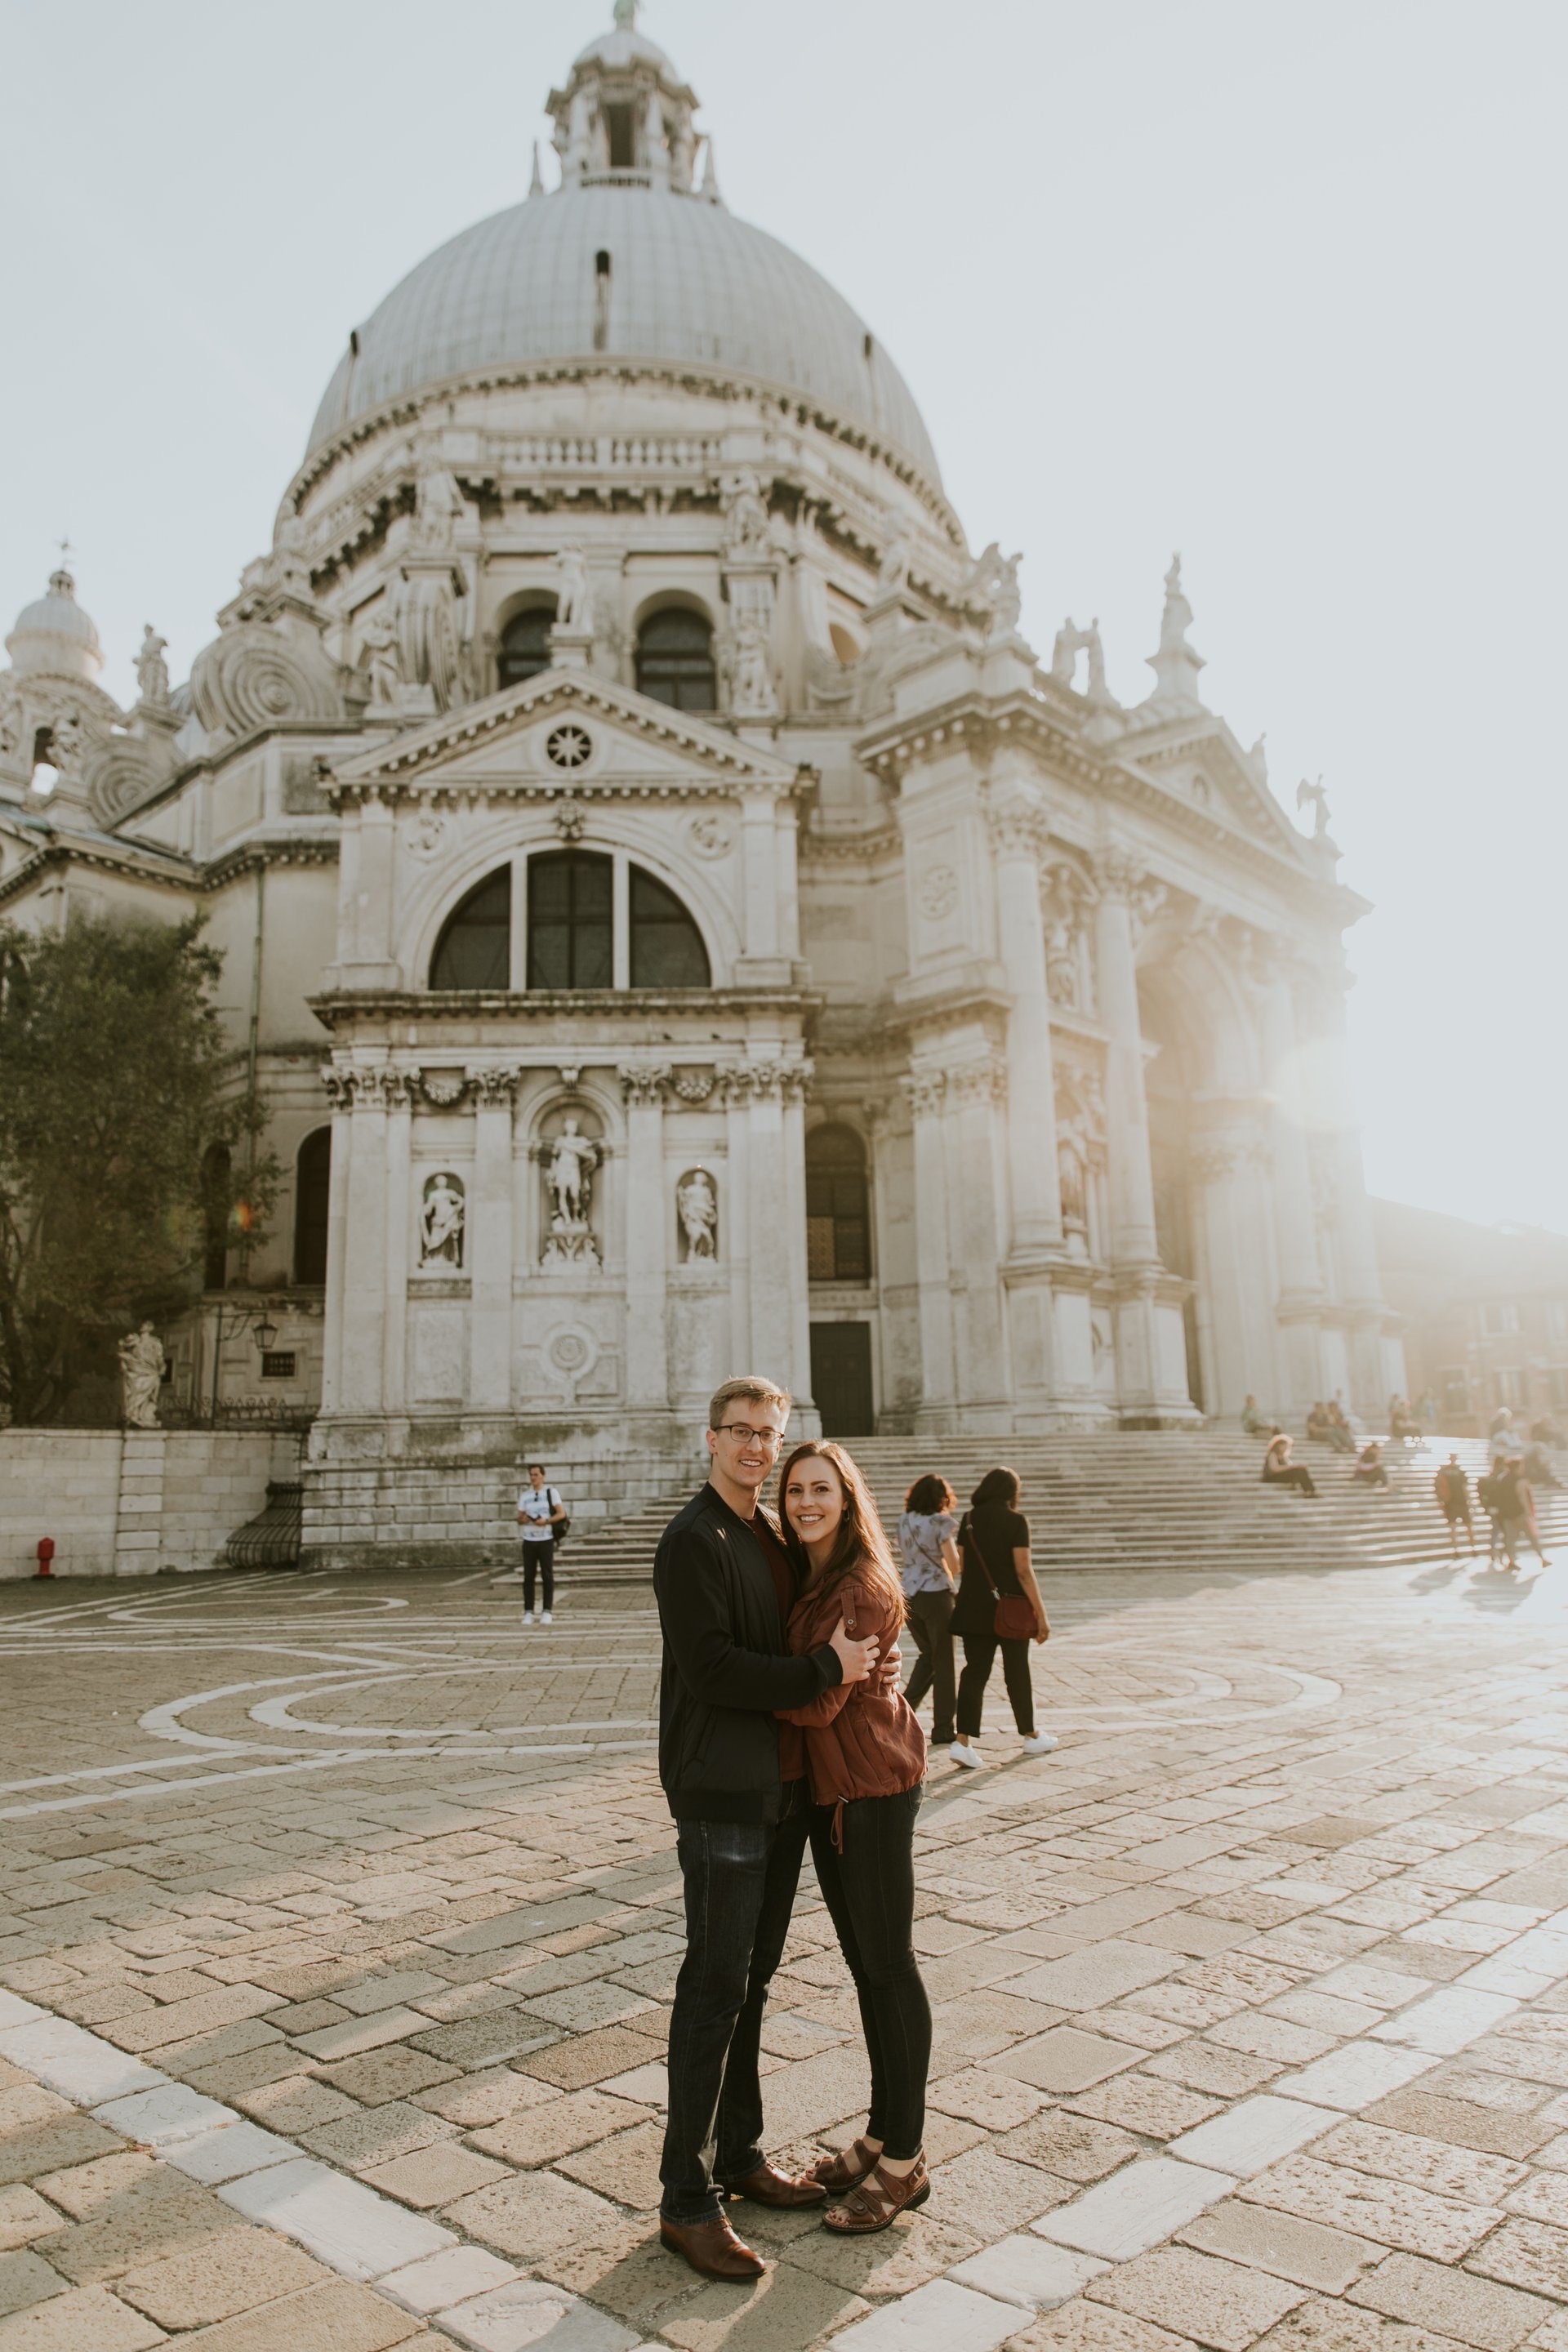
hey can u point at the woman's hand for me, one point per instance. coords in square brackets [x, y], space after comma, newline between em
[1043, 1624]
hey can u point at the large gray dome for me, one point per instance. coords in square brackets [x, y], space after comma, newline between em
[688, 282]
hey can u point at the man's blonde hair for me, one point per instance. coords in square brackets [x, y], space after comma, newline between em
[754, 1390]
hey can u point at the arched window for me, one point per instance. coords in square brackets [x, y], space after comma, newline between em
[666, 946]
[473, 950]
[217, 1173]
[313, 1189]
[525, 645]
[837, 1207]
[674, 660]
[570, 919]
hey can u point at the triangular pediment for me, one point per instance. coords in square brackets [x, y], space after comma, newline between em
[566, 729]
[1201, 760]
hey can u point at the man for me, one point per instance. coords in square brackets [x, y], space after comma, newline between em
[1514, 1503]
[540, 1512]
[1452, 1489]
[723, 1584]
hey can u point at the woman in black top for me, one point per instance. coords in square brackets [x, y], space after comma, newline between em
[995, 1547]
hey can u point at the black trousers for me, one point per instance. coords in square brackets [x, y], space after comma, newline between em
[1295, 1474]
[870, 1891]
[979, 1657]
[539, 1561]
[741, 1879]
[930, 1623]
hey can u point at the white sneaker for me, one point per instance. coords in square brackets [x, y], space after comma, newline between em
[548, 1619]
[1042, 1744]
[539, 1616]
[970, 1758]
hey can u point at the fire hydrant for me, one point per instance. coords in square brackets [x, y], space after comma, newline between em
[46, 1554]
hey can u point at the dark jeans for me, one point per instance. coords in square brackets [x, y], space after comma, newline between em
[979, 1657]
[538, 1560]
[739, 1892]
[870, 1891]
[1295, 1474]
[930, 1622]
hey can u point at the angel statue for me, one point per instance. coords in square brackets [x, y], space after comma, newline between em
[1314, 797]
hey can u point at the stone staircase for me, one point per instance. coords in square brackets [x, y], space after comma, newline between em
[1172, 1499]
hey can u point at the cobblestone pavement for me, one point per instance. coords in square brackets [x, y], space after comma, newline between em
[342, 1920]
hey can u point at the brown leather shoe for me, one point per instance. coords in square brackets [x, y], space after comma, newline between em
[711, 2247]
[769, 2186]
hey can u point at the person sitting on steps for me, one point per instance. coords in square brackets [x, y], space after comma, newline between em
[1278, 1470]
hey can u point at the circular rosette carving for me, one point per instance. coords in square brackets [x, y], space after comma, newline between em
[116, 776]
[253, 676]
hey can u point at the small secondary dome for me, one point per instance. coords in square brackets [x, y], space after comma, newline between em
[633, 256]
[54, 637]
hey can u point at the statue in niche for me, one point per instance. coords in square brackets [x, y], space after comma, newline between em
[697, 1204]
[383, 667]
[745, 517]
[152, 669]
[1062, 914]
[569, 1164]
[753, 694]
[141, 1367]
[441, 1221]
[574, 593]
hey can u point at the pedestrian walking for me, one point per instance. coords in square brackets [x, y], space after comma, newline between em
[542, 1515]
[865, 1760]
[1452, 1487]
[999, 1608]
[736, 1787]
[930, 1577]
[1278, 1470]
[1515, 1503]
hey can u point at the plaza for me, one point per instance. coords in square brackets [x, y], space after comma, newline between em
[343, 1919]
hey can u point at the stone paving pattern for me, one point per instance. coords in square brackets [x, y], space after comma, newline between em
[1252, 2001]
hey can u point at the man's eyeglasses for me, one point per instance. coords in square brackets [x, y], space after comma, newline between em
[770, 1438]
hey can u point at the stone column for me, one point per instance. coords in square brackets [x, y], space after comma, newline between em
[398, 1097]
[925, 1090]
[977, 1100]
[759, 878]
[1034, 1179]
[491, 1223]
[364, 1297]
[366, 881]
[767, 1192]
[797, 1081]
[1355, 1247]
[647, 1370]
[1132, 1237]
[1295, 1218]
[340, 1094]
[1240, 1269]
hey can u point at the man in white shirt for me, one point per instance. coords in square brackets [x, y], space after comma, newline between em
[539, 1511]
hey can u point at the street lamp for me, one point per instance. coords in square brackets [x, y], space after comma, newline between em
[266, 1334]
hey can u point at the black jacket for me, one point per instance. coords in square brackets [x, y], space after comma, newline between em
[726, 1670]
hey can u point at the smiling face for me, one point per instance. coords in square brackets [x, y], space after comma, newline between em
[746, 1446]
[814, 1501]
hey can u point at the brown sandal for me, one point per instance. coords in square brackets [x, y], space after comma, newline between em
[847, 2170]
[879, 2201]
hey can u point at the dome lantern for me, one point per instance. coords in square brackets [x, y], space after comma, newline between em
[624, 116]
[54, 637]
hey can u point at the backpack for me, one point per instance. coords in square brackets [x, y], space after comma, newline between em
[563, 1528]
[1492, 1494]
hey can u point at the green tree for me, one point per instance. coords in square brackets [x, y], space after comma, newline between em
[116, 1085]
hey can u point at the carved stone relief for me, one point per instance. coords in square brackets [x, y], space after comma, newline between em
[443, 1217]
[696, 1210]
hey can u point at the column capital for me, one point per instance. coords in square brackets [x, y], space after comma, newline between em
[495, 1087]
[645, 1086]
[766, 1082]
[980, 1081]
[924, 1091]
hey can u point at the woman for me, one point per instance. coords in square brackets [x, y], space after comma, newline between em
[1278, 1470]
[930, 1577]
[995, 1543]
[865, 1760]
[1369, 1469]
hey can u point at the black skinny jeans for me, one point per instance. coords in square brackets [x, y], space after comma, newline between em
[1295, 1474]
[870, 1891]
[538, 1559]
[931, 1625]
[979, 1657]
[740, 1880]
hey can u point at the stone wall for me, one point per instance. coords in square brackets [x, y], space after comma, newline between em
[129, 1503]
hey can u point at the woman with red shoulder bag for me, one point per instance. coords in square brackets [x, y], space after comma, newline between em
[999, 1608]
[865, 1760]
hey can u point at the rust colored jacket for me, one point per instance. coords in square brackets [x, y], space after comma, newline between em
[861, 1740]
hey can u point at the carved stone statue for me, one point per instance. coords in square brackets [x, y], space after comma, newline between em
[67, 741]
[995, 578]
[437, 505]
[745, 516]
[383, 667]
[753, 694]
[152, 669]
[893, 570]
[1314, 797]
[1071, 641]
[569, 1183]
[574, 594]
[141, 1364]
[441, 1221]
[697, 1205]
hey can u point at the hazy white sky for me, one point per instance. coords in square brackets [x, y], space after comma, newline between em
[1278, 284]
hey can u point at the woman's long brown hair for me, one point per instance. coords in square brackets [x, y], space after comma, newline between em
[862, 1541]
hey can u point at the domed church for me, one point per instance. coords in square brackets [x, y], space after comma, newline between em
[675, 922]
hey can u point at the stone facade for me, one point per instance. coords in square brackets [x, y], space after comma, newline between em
[639, 833]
